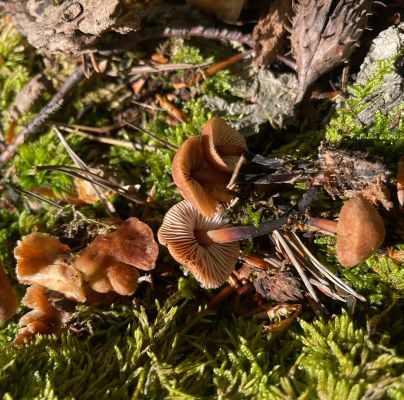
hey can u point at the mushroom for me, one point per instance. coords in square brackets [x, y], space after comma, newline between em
[42, 259]
[226, 10]
[103, 272]
[184, 232]
[198, 182]
[222, 145]
[108, 262]
[43, 319]
[360, 230]
[8, 299]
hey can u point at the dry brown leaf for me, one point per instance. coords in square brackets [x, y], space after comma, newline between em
[323, 36]
[269, 34]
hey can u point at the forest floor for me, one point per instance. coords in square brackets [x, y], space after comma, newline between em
[290, 322]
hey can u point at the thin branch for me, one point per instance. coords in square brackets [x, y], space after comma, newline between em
[81, 164]
[35, 196]
[169, 146]
[93, 178]
[134, 38]
[101, 139]
[54, 105]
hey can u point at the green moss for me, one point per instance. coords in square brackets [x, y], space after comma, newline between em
[47, 150]
[389, 271]
[340, 361]
[14, 73]
[379, 135]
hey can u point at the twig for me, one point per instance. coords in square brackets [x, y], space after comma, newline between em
[155, 67]
[35, 196]
[93, 178]
[101, 139]
[54, 105]
[134, 38]
[81, 164]
[161, 141]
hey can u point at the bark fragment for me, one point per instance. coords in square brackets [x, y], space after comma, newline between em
[324, 35]
[269, 34]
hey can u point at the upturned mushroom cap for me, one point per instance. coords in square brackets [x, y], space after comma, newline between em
[43, 319]
[42, 259]
[133, 243]
[8, 299]
[108, 262]
[197, 182]
[222, 145]
[360, 231]
[212, 263]
[103, 272]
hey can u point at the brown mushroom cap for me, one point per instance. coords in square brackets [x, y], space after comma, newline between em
[43, 319]
[360, 231]
[211, 264]
[133, 243]
[222, 145]
[42, 259]
[197, 182]
[103, 272]
[108, 262]
[8, 299]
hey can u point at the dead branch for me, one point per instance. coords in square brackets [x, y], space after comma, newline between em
[54, 105]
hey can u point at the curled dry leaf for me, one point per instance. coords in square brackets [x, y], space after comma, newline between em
[281, 287]
[324, 36]
[42, 259]
[285, 314]
[8, 300]
[269, 34]
[43, 319]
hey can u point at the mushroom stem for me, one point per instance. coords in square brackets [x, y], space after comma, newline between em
[324, 224]
[202, 237]
[235, 233]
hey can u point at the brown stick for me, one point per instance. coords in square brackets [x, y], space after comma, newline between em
[54, 105]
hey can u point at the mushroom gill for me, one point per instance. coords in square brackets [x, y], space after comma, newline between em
[184, 233]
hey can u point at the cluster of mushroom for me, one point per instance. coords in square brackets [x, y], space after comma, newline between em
[110, 263]
[196, 234]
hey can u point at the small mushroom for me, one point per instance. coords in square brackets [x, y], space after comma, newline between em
[222, 145]
[43, 319]
[198, 182]
[133, 243]
[226, 10]
[108, 262]
[360, 231]
[103, 272]
[8, 299]
[184, 232]
[42, 259]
